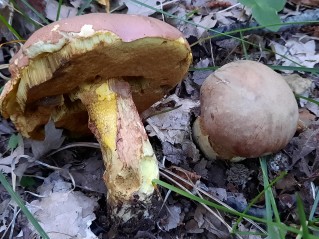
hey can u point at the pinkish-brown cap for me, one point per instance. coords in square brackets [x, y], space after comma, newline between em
[247, 110]
[150, 54]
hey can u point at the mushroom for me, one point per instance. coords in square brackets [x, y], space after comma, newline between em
[108, 68]
[247, 111]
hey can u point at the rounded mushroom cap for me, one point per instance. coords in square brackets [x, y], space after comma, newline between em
[149, 54]
[247, 110]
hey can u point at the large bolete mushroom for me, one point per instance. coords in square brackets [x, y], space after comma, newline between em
[108, 68]
[247, 111]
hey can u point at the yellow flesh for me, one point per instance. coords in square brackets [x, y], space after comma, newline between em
[128, 156]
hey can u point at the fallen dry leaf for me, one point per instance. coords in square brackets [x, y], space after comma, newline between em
[138, 9]
[313, 107]
[298, 84]
[205, 22]
[7, 164]
[311, 30]
[210, 222]
[192, 227]
[4, 214]
[306, 117]
[76, 3]
[251, 229]
[175, 217]
[218, 4]
[64, 214]
[199, 76]
[53, 140]
[90, 176]
[187, 175]
[302, 146]
[288, 183]
[219, 193]
[172, 126]
[177, 153]
[287, 200]
[297, 49]
[313, 3]
[6, 127]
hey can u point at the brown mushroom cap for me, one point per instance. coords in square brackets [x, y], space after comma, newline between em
[247, 110]
[150, 54]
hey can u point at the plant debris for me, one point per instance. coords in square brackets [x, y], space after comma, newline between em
[58, 205]
[64, 189]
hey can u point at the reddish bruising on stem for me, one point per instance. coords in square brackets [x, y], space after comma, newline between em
[130, 141]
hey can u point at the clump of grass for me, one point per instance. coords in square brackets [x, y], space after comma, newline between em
[275, 228]
[24, 209]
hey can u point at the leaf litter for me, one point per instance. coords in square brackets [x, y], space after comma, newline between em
[171, 132]
[60, 204]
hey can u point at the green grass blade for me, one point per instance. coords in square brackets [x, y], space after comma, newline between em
[210, 68]
[187, 21]
[214, 31]
[282, 175]
[271, 207]
[221, 208]
[26, 17]
[296, 68]
[306, 98]
[243, 233]
[254, 28]
[35, 11]
[13, 141]
[59, 11]
[302, 218]
[11, 29]
[314, 206]
[24, 209]
[244, 46]
[269, 212]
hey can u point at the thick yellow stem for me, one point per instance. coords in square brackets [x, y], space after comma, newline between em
[128, 156]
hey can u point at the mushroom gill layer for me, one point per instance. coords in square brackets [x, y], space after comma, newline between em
[152, 66]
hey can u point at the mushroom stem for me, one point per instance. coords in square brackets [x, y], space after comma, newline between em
[128, 156]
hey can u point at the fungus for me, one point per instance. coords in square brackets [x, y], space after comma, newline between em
[247, 111]
[98, 71]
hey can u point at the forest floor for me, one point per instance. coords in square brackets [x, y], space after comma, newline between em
[63, 175]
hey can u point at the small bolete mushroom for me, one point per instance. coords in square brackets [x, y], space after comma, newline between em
[247, 111]
[108, 68]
